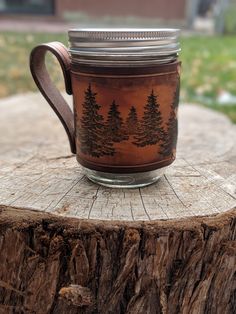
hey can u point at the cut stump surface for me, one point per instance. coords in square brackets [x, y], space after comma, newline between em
[70, 246]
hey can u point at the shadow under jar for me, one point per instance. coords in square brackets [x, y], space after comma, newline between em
[125, 85]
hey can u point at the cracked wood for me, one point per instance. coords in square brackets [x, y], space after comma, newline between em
[38, 172]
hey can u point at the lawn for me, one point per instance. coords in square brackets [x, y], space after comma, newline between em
[209, 67]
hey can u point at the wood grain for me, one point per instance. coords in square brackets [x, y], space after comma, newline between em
[38, 172]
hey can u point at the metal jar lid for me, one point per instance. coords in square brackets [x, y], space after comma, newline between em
[119, 47]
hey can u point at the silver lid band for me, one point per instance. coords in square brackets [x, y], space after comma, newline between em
[124, 46]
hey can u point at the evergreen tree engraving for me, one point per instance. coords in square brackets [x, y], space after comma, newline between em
[150, 130]
[132, 121]
[170, 138]
[92, 129]
[115, 126]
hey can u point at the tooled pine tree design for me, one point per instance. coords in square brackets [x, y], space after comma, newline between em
[92, 130]
[115, 126]
[132, 121]
[170, 138]
[150, 130]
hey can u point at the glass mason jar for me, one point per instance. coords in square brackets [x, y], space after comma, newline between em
[125, 85]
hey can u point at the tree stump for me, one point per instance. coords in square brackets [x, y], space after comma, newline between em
[70, 246]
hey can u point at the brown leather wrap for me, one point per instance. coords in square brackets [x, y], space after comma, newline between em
[48, 89]
[114, 91]
[107, 95]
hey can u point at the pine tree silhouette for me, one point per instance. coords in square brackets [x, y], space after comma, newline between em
[132, 121]
[170, 138]
[150, 130]
[92, 130]
[115, 126]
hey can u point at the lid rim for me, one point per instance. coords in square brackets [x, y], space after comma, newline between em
[123, 33]
[123, 42]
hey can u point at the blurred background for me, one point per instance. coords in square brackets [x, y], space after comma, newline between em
[208, 40]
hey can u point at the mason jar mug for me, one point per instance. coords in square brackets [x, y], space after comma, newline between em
[125, 85]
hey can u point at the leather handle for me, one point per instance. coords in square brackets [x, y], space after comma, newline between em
[48, 89]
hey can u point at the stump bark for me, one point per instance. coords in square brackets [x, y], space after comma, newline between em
[70, 246]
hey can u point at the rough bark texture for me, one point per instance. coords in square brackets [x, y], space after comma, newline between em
[53, 265]
[68, 246]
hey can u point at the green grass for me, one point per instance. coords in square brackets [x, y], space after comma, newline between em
[209, 66]
[15, 48]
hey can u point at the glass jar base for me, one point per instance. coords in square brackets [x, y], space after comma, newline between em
[124, 180]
